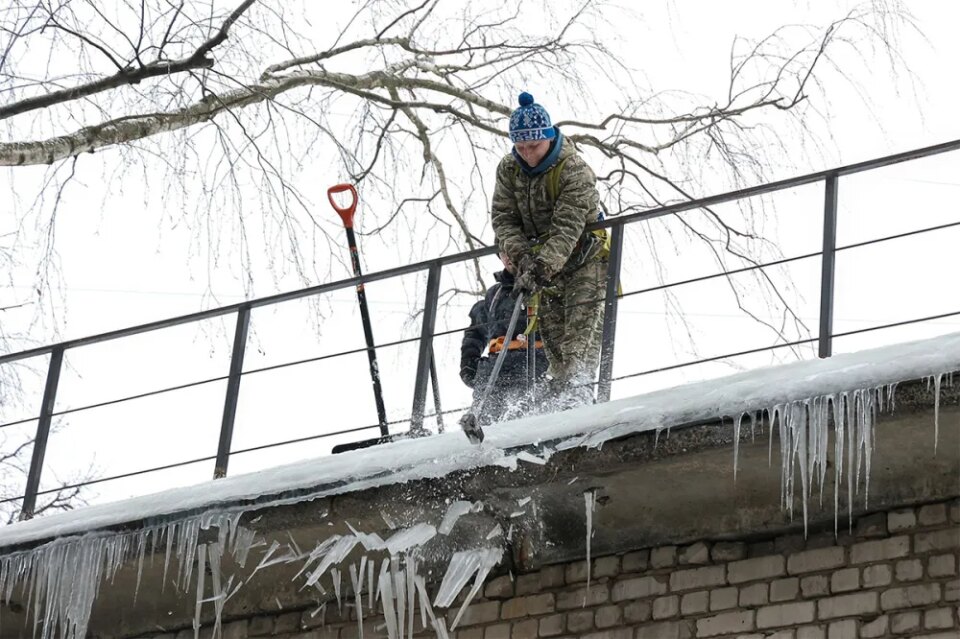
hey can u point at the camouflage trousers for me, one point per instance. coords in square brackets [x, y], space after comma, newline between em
[571, 325]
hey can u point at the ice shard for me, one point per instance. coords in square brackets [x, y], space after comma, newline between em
[456, 510]
[410, 537]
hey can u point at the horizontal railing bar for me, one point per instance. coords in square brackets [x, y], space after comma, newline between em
[929, 318]
[488, 250]
[786, 260]
[20, 421]
[721, 274]
[101, 480]
[707, 360]
[130, 398]
[779, 185]
[928, 229]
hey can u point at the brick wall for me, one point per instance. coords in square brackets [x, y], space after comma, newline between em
[896, 575]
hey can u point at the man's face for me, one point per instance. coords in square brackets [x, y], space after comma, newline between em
[533, 152]
[507, 264]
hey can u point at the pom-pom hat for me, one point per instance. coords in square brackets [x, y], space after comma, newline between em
[530, 122]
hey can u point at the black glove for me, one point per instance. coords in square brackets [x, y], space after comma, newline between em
[531, 278]
[468, 373]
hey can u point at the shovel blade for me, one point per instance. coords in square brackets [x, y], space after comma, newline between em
[472, 429]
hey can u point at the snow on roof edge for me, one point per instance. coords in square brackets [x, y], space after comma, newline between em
[439, 455]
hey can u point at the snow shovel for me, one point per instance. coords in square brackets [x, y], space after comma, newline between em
[346, 215]
[469, 422]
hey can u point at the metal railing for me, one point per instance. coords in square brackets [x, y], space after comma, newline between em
[434, 269]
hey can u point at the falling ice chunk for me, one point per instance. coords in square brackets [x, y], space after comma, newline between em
[369, 541]
[462, 566]
[388, 521]
[530, 458]
[338, 553]
[572, 480]
[385, 589]
[409, 537]
[456, 510]
[494, 532]
[524, 501]
[488, 560]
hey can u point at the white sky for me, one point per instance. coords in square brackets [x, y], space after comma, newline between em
[119, 268]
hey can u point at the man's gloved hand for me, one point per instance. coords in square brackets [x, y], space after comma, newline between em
[468, 373]
[532, 277]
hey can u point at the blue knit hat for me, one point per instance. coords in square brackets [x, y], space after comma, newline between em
[530, 122]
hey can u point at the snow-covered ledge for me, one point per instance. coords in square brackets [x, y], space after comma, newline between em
[733, 397]
[539, 490]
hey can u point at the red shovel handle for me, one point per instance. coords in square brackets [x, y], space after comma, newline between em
[346, 214]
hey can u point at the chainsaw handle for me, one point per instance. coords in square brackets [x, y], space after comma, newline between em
[345, 213]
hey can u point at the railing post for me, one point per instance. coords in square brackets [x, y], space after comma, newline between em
[43, 433]
[426, 349]
[828, 266]
[610, 313]
[233, 391]
[435, 384]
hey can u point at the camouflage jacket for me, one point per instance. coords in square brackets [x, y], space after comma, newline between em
[523, 212]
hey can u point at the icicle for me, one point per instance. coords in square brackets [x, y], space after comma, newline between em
[356, 583]
[410, 570]
[824, 430]
[463, 565]
[166, 561]
[399, 591]
[439, 625]
[384, 569]
[141, 547]
[736, 444]
[213, 553]
[772, 413]
[936, 412]
[335, 555]
[488, 560]
[385, 589]
[201, 554]
[335, 576]
[589, 500]
[837, 460]
[426, 611]
[243, 543]
[848, 409]
[370, 589]
[265, 561]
